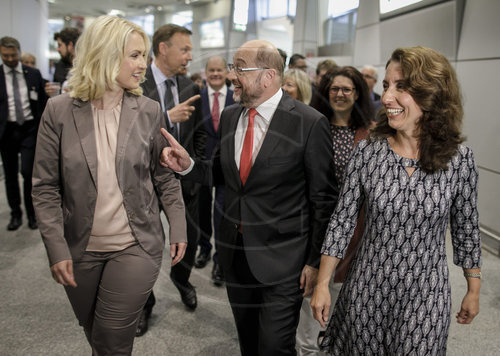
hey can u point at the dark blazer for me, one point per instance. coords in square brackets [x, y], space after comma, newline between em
[65, 177]
[212, 135]
[288, 197]
[192, 132]
[34, 83]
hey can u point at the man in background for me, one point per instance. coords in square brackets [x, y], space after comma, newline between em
[179, 98]
[22, 101]
[298, 61]
[214, 98]
[370, 76]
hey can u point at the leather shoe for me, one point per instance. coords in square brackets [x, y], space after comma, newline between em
[217, 275]
[188, 295]
[142, 326]
[32, 224]
[202, 259]
[15, 223]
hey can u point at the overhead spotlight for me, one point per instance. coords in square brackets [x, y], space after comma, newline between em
[159, 8]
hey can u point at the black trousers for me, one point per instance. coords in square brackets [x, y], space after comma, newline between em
[17, 140]
[181, 272]
[206, 214]
[266, 316]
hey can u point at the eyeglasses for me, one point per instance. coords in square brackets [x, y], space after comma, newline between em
[241, 71]
[346, 91]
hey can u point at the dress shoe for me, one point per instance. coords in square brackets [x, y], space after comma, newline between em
[217, 275]
[142, 326]
[32, 224]
[15, 223]
[188, 295]
[202, 259]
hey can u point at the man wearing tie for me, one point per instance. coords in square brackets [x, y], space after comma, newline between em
[22, 101]
[275, 159]
[214, 98]
[179, 99]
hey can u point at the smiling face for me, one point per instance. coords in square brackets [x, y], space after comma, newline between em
[290, 87]
[248, 87]
[340, 102]
[216, 72]
[133, 64]
[402, 111]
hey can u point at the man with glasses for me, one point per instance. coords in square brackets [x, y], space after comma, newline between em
[370, 76]
[180, 101]
[275, 158]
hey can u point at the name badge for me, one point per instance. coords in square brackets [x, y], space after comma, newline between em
[34, 95]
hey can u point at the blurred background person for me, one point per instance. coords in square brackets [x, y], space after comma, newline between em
[345, 101]
[283, 55]
[321, 68]
[98, 201]
[415, 176]
[197, 79]
[370, 75]
[66, 42]
[28, 59]
[298, 61]
[214, 98]
[296, 84]
[22, 101]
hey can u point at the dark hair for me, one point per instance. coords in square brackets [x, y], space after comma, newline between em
[362, 111]
[283, 55]
[327, 64]
[165, 33]
[67, 35]
[294, 58]
[10, 42]
[431, 81]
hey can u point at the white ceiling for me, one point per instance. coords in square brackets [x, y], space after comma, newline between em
[94, 8]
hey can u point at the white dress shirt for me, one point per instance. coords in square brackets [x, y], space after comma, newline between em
[222, 97]
[23, 91]
[161, 86]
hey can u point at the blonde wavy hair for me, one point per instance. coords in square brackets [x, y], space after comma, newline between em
[99, 55]
[300, 78]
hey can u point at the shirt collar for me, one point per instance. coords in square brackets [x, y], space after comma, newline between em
[267, 108]
[18, 68]
[222, 91]
[159, 76]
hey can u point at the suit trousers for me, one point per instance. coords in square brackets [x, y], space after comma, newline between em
[266, 316]
[112, 288]
[18, 139]
[206, 214]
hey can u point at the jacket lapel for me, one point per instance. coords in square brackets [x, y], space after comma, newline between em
[229, 122]
[128, 116]
[82, 116]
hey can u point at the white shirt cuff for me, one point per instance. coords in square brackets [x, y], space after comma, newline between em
[189, 169]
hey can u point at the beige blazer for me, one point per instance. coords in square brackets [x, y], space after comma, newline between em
[65, 176]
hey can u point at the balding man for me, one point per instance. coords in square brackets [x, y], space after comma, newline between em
[370, 76]
[275, 157]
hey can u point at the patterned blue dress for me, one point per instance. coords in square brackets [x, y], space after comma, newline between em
[396, 298]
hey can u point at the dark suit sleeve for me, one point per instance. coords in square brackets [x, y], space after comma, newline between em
[200, 134]
[322, 186]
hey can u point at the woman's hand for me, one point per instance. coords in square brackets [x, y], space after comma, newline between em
[469, 308]
[177, 251]
[320, 304]
[62, 272]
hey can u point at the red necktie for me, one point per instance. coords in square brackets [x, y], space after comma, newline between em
[215, 111]
[246, 152]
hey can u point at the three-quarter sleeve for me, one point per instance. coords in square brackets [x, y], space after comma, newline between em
[464, 217]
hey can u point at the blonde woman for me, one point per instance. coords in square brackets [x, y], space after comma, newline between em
[297, 85]
[97, 182]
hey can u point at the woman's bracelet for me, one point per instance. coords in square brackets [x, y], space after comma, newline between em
[473, 275]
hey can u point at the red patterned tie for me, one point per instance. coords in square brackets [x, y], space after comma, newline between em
[246, 152]
[215, 111]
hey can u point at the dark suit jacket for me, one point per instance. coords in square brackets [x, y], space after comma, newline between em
[288, 197]
[65, 177]
[212, 135]
[192, 132]
[34, 82]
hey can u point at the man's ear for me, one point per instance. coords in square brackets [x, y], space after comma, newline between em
[162, 48]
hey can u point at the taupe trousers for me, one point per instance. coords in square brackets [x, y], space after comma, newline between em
[112, 290]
